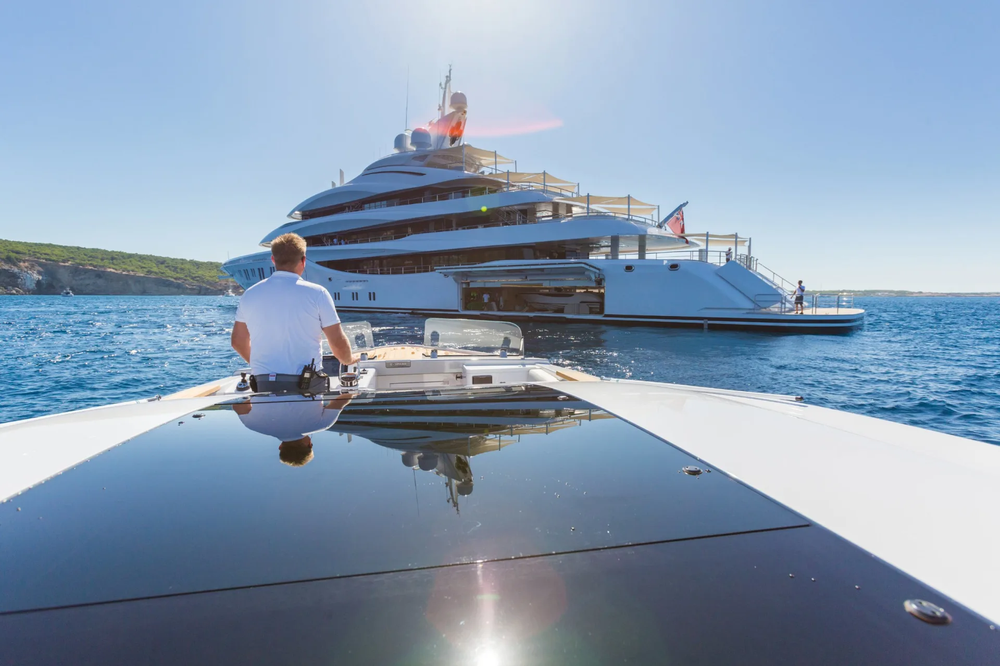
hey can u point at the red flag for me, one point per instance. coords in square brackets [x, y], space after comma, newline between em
[676, 223]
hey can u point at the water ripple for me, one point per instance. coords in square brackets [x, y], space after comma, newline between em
[929, 362]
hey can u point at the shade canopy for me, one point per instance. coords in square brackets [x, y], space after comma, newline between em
[469, 157]
[626, 204]
[542, 178]
[718, 240]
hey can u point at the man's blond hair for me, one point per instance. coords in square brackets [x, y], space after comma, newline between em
[288, 250]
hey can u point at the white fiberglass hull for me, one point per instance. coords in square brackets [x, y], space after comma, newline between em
[645, 292]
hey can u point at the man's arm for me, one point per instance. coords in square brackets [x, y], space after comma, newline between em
[339, 344]
[240, 340]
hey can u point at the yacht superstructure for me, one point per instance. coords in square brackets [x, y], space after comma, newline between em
[443, 228]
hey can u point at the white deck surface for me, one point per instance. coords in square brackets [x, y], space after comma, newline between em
[924, 502]
[34, 450]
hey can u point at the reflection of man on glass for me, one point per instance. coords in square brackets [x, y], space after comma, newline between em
[292, 422]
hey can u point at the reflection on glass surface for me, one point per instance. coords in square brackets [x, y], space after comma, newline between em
[133, 522]
[359, 334]
[442, 438]
[292, 422]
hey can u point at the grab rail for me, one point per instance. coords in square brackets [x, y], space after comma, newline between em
[818, 301]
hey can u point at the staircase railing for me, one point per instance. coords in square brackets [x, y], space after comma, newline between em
[778, 282]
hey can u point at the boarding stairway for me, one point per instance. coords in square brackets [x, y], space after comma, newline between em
[767, 290]
[778, 283]
[787, 289]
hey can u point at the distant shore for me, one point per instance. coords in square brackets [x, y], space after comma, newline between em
[900, 292]
[38, 269]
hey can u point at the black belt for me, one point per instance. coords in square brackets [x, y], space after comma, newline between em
[287, 384]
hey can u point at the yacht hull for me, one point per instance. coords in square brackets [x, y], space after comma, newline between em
[649, 292]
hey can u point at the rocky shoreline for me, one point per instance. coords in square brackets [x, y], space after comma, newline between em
[46, 277]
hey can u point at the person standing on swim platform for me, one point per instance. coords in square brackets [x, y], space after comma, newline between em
[800, 296]
[285, 319]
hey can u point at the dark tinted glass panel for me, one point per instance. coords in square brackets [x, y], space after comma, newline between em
[722, 600]
[296, 489]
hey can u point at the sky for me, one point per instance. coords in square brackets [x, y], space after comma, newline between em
[856, 142]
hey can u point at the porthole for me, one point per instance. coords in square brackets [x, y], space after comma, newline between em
[674, 267]
[629, 268]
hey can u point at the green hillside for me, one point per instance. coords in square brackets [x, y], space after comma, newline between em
[199, 272]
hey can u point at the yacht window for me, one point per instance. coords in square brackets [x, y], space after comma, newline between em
[629, 268]
[674, 267]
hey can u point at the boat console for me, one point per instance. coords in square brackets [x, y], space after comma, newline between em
[454, 353]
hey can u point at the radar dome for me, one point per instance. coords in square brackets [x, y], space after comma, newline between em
[428, 461]
[458, 101]
[410, 459]
[402, 143]
[420, 139]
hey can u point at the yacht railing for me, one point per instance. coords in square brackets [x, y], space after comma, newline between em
[510, 219]
[396, 270]
[814, 303]
[484, 191]
[458, 194]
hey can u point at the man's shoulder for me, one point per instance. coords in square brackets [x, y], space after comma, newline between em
[283, 289]
[256, 290]
[311, 287]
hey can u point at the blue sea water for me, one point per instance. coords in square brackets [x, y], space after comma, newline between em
[929, 362]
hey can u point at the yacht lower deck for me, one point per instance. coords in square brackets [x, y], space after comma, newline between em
[647, 292]
[824, 320]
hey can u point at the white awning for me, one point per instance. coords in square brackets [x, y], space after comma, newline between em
[471, 158]
[543, 178]
[626, 204]
[718, 240]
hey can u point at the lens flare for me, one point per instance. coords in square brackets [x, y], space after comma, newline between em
[515, 128]
[488, 658]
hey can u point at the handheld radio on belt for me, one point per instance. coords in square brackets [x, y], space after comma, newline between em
[305, 379]
[310, 377]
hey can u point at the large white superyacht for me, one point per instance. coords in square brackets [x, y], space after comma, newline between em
[443, 228]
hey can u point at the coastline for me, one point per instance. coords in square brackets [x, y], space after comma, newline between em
[28, 269]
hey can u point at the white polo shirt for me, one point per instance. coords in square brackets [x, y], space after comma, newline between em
[285, 316]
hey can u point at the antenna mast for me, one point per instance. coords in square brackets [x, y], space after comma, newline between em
[406, 121]
[445, 94]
